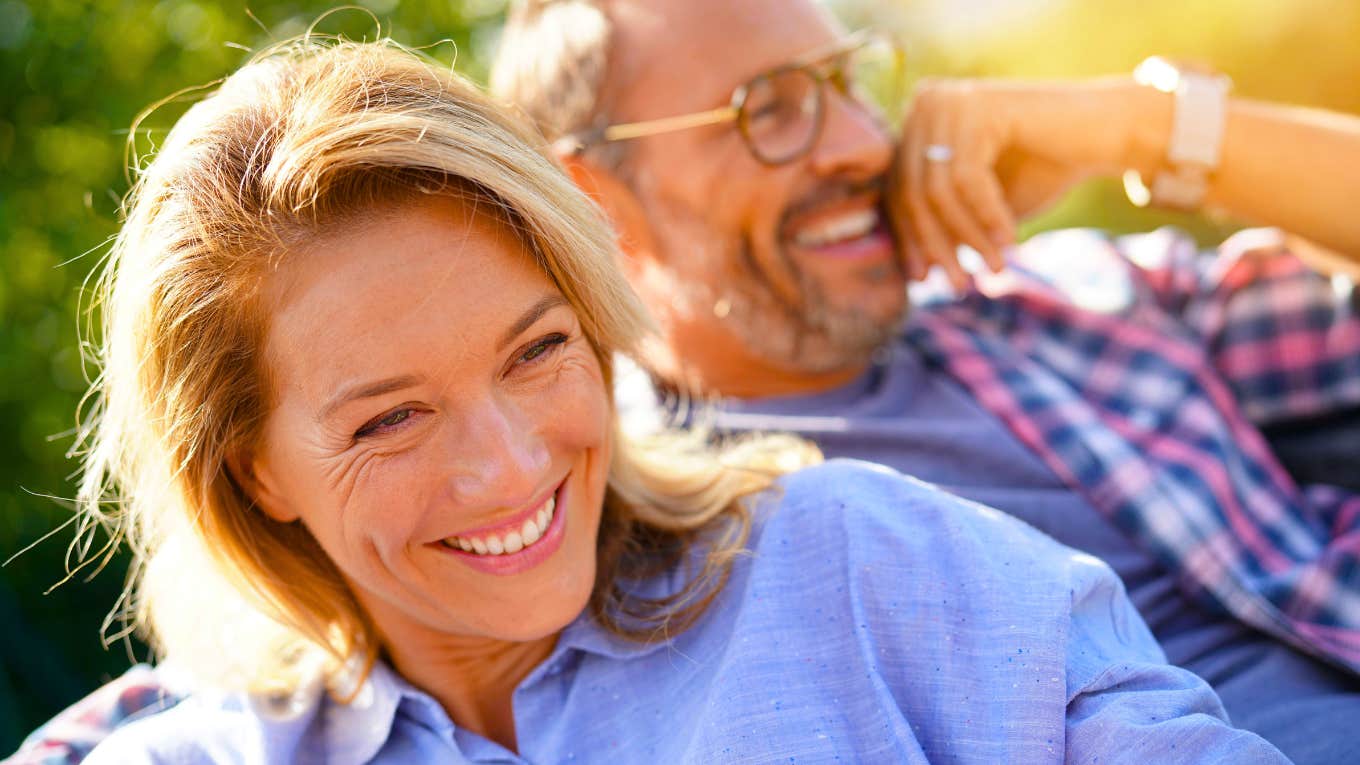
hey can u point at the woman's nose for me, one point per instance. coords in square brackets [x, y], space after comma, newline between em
[500, 457]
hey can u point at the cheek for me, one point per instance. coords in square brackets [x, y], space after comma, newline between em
[367, 507]
[578, 411]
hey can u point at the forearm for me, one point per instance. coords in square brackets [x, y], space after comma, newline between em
[1290, 167]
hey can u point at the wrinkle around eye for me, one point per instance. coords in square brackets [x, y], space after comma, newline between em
[349, 469]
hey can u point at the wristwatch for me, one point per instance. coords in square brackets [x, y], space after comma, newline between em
[1193, 151]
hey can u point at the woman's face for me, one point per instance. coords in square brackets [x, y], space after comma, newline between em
[441, 424]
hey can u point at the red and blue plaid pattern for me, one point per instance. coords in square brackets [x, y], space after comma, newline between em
[1139, 369]
[70, 736]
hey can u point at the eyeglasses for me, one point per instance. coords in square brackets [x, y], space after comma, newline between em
[779, 113]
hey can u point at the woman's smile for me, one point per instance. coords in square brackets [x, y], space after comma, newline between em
[521, 542]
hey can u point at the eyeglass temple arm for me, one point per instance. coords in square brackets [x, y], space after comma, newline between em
[629, 130]
[577, 142]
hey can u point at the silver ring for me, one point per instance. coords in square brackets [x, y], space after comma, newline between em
[938, 153]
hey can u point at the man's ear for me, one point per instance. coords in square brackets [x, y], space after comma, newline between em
[632, 227]
[257, 481]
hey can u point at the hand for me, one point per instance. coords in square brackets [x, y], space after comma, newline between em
[1013, 149]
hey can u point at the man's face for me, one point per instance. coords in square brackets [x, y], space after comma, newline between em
[790, 269]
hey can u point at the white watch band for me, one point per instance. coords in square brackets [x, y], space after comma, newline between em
[1196, 143]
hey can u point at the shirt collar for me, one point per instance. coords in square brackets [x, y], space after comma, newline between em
[355, 732]
[587, 635]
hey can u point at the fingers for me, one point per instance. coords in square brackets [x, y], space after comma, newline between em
[954, 199]
[929, 237]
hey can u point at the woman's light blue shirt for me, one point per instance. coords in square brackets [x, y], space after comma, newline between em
[876, 620]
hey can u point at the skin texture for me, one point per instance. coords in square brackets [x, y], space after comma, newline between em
[483, 420]
[710, 231]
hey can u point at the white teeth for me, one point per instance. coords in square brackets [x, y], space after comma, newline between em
[838, 228]
[512, 542]
[529, 531]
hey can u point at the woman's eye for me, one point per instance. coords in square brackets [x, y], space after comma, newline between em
[392, 419]
[542, 347]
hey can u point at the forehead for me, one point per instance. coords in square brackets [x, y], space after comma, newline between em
[389, 290]
[689, 51]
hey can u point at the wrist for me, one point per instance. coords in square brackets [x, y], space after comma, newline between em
[1098, 127]
[1191, 145]
[1147, 115]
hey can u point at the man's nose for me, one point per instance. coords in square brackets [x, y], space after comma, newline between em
[499, 456]
[854, 140]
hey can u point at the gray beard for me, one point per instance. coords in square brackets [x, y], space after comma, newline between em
[812, 337]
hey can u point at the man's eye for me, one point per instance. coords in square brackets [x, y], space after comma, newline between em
[392, 419]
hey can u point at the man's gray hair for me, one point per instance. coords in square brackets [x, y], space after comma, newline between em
[553, 62]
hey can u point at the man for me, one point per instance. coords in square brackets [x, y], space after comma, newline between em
[774, 240]
[776, 263]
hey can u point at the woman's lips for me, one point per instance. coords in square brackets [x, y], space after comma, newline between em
[516, 545]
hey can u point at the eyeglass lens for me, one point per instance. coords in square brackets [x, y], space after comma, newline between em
[781, 114]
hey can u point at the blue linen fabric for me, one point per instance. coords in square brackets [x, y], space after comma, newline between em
[875, 620]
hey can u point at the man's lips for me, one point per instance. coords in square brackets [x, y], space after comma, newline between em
[852, 229]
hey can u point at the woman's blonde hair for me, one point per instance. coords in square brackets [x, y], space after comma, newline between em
[305, 134]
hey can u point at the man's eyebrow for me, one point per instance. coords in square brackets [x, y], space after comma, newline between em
[527, 319]
[367, 390]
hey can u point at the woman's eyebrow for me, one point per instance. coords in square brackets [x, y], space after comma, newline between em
[366, 390]
[527, 319]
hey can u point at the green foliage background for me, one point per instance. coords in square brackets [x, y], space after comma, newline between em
[74, 73]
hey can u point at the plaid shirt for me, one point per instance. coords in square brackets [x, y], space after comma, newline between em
[1139, 369]
[69, 737]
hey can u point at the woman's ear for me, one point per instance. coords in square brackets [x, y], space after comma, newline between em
[254, 477]
[632, 227]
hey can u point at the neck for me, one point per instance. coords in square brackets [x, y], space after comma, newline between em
[473, 679]
[709, 370]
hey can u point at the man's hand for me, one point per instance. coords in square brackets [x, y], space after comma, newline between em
[978, 155]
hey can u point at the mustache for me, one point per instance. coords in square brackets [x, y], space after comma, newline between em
[832, 191]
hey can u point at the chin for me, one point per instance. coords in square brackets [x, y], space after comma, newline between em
[551, 608]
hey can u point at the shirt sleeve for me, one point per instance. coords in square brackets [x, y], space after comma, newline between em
[1125, 704]
[1285, 338]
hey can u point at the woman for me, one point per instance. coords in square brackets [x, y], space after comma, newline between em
[355, 417]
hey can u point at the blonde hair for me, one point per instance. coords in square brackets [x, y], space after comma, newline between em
[552, 62]
[307, 133]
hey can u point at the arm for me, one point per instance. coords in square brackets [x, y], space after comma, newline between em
[1125, 705]
[1314, 155]
[1018, 146]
